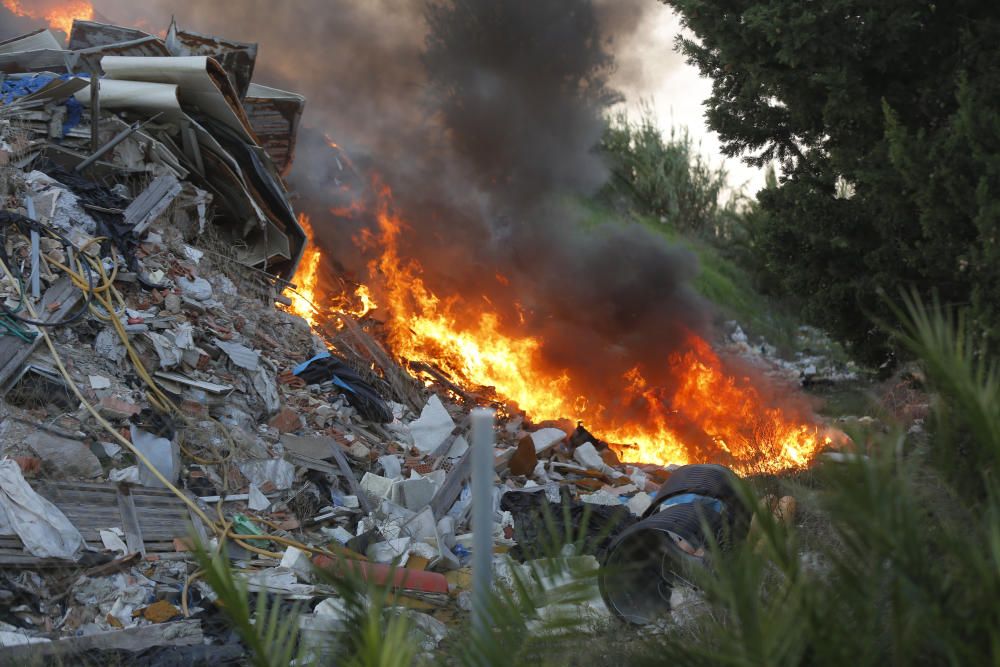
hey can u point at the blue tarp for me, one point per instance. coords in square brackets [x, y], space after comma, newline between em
[15, 88]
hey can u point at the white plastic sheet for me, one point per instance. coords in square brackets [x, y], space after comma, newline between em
[44, 529]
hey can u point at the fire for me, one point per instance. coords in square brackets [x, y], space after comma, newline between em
[59, 17]
[310, 301]
[306, 279]
[710, 415]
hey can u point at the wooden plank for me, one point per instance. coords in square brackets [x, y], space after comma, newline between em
[352, 482]
[176, 633]
[130, 521]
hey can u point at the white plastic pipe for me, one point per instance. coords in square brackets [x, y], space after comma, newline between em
[482, 516]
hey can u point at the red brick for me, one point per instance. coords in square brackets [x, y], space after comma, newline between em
[115, 408]
[286, 421]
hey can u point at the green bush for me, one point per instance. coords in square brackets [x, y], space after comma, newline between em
[666, 177]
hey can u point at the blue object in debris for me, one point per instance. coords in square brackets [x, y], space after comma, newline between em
[14, 88]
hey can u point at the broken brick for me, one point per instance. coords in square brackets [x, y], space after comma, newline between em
[286, 421]
[114, 408]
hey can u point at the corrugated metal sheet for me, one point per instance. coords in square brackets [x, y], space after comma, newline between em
[274, 115]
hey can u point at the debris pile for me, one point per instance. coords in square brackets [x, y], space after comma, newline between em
[156, 391]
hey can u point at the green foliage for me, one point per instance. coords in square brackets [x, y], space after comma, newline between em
[665, 177]
[883, 117]
[269, 631]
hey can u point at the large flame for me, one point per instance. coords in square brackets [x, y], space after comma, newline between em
[59, 15]
[710, 413]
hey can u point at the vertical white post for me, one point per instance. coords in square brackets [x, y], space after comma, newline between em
[36, 253]
[482, 516]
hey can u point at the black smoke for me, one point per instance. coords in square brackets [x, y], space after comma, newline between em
[484, 118]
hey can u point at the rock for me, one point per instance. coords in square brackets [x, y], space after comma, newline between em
[64, 457]
[172, 303]
[286, 421]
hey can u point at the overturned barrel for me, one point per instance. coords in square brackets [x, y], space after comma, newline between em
[642, 566]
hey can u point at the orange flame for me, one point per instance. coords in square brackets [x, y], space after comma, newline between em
[306, 279]
[59, 17]
[709, 416]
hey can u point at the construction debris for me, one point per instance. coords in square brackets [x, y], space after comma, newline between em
[154, 395]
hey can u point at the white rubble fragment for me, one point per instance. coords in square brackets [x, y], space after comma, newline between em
[239, 354]
[257, 501]
[547, 438]
[390, 550]
[458, 448]
[113, 542]
[391, 465]
[278, 472]
[639, 503]
[425, 629]
[601, 497]
[198, 289]
[129, 475]
[99, 382]
[587, 456]
[432, 427]
[193, 253]
[17, 638]
[351, 502]
[298, 562]
[111, 449]
[338, 533]
[376, 485]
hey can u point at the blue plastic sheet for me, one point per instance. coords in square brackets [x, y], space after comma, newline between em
[15, 88]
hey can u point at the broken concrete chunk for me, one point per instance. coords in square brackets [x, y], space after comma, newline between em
[639, 503]
[195, 288]
[376, 485]
[547, 438]
[432, 427]
[413, 494]
[64, 457]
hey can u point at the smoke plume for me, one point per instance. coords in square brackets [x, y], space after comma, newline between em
[483, 117]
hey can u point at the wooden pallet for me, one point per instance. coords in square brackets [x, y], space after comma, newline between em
[150, 518]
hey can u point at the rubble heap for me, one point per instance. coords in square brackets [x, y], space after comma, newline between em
[152, 389]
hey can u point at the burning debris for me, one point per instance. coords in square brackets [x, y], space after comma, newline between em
[150, 383]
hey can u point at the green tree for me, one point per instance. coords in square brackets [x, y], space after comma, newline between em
[894, 99]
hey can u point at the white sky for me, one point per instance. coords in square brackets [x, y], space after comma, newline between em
[650, 69]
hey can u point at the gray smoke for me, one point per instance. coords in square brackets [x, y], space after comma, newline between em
[483, 117]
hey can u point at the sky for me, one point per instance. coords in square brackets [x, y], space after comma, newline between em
[651, 70]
